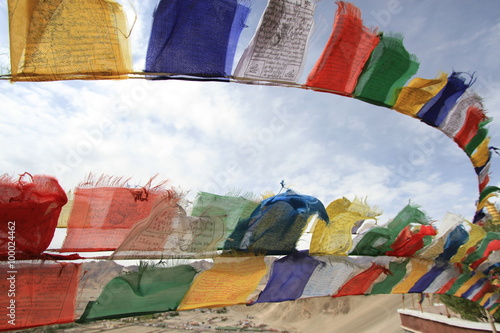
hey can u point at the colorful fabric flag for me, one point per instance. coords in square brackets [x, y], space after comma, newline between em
[167, 231]
[151, 290]
[456, 238]
[474, 116]
[419, 268]
[276, 224]
[445, 226]
[335, 237]
[330, 275]
[476, 234]
[386, 72]
[426, 280]
[435, 111]
[229, 282]
[29, 210]
[462, 118]
[360, 284]
[289, 276]
[277, 51]
[37, 293]
[224, 210]
[459, 282]
[397, 271]
[411, 240]
[348, 49]
[417, 93]
[103, 216]
[439, 285]
[196, 38]
[378, 241]
[68, 40]
[481, 135]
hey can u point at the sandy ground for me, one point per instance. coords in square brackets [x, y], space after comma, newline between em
[355, 314]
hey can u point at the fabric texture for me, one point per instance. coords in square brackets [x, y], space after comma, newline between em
[234, 280]
[417, 93]
[277, 51]
[103, 216]
[29, 211]
[435, 111]
[360, 284]
[36, 293]
[335, 237]
[276, 224]
[151, 290]
[289, 276]
[68, 39]
[196, 38]
[344, 56]
[386, 72]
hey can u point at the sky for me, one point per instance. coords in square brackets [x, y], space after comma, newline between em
[235, 138]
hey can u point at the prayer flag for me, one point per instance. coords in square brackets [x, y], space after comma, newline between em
[277, 50]
[68, 40]
[193, 37]
[348, 49]
[386, 72]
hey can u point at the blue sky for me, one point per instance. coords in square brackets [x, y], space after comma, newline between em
[221, 137]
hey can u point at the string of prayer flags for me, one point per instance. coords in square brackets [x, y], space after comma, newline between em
[103, 214]
[426, 280]
[435, 111]
[386, 72]
[36, 293]
[151, 290]
[229, 282]
[67, 40]
[289, 276]
[450, 274]
[276, 224]
[344, 56]
[335, 236]
[417, 93]
[418, 268]
[476, 288]
[490, 243]
[29, 210]
[197, 38]
[277, 50]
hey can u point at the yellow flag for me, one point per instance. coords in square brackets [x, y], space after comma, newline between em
[335, 237]
[229, 282]
[482, 154]
[68, 39]
[418, 92]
